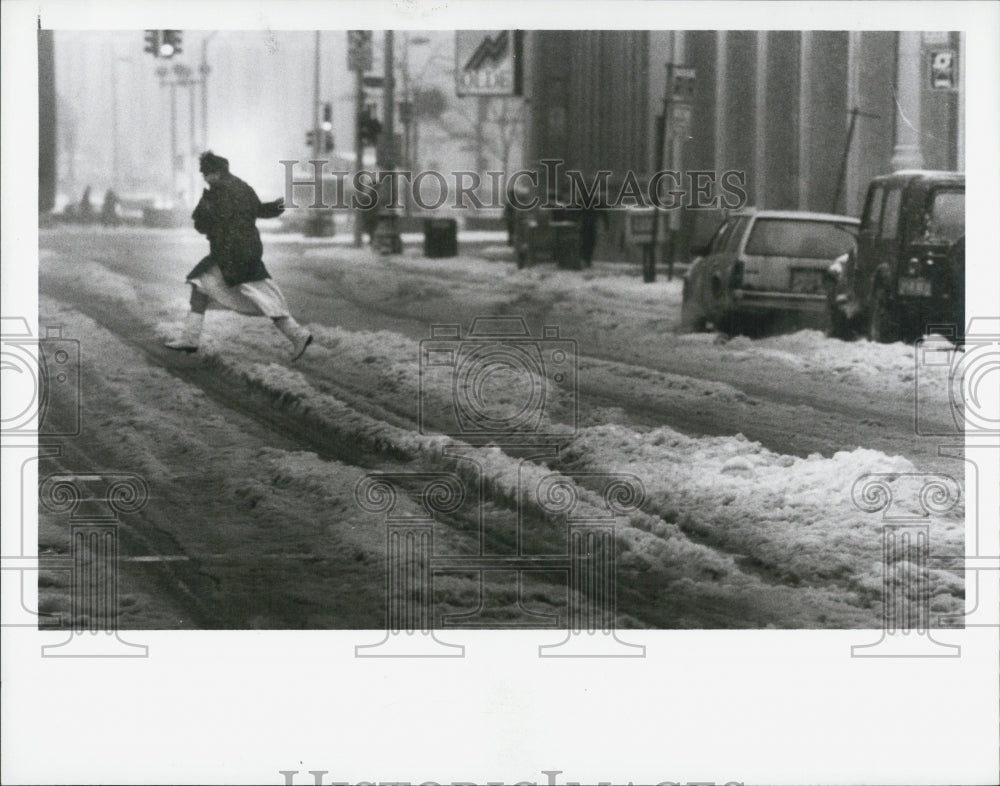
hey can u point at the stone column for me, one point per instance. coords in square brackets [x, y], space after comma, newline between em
[852, 184]
[906, 154]
[805, 129]
[721, 89]
[960, 141]
[760, 124]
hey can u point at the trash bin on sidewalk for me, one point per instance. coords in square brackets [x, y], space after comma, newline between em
[386, 239]
[566, 240]
[440, 237]
[539, 242]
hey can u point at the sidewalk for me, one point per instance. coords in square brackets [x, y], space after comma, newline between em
[346, 238]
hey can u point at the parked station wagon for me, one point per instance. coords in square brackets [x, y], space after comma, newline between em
[762, 262]
[908, 274]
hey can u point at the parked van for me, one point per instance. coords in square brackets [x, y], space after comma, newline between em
[907, 276]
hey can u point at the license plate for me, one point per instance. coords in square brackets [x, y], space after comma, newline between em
[915, 287]
[807, 282]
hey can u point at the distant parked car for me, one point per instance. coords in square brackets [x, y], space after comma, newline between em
[908, 274]
[546, 234]
[763, 262]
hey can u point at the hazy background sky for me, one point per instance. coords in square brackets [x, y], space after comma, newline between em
[260, 99]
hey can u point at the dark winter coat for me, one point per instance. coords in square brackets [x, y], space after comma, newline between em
[227, 215]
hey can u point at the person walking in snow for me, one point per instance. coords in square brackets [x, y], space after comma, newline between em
[233, 275]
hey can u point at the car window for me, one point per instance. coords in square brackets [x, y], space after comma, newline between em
[945, 217]
[890, 215]
[873, 209]
[736, 236]
[719, 238]
[784, 237]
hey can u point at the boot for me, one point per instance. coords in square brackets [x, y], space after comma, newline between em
[294, 332]
[188, 342]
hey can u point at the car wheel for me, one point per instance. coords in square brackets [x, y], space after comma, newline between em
[730, 323]
[882, 324]
[837, 323]
[692, 317]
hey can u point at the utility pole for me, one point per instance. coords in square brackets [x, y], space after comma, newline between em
[677, 139]
[359, 147]
[204, 69]
[388, 227]
[173, 141]
[192, 167]
[316, 221]
[406, 117]
[115, 154]
[481, 112]
[855, 113]
[389, 105]
[317, 146]
[359, 60]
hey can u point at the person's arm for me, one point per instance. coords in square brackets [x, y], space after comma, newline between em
[271, 209]
[203, 213]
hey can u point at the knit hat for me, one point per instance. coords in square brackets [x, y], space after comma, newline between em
[209, 162]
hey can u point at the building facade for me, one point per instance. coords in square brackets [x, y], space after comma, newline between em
[775, 105]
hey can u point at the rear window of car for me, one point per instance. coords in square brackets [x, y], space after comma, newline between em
[945, 218]
[781, 237]
[890, 216]
[873, 211]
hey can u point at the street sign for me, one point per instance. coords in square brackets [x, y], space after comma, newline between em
[935, 37]
[639, 224]
[488, 62]
[681, 82]
[359, 50]
[373, 81]
[679, 121]
[944, 69]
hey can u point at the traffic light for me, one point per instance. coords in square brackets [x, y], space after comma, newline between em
[153, 42]
[368, 126]
[164, 43]
[328, 141]
[327, 117]
[310, 139]
[681, 83]
[171, 44]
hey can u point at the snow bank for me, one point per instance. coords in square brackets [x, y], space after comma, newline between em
[794, 518]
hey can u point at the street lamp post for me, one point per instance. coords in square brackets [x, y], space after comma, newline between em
[115, 127]
[182, 78]
[204, 70]
[315, 225]
[387, 231]
[389, 104]
[408, 115]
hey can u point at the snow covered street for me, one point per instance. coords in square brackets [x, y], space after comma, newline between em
[747, 450]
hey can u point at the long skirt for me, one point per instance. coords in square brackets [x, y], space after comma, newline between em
[254, 298]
